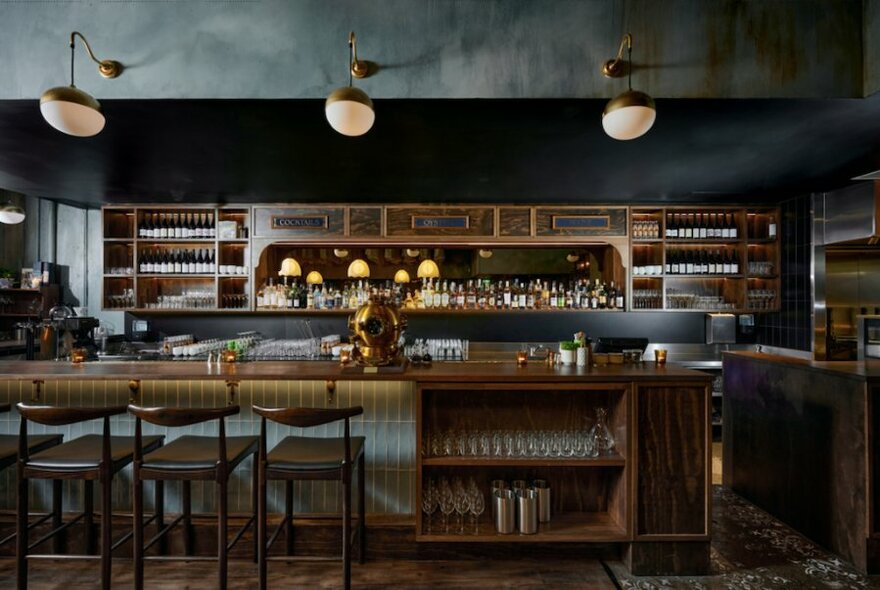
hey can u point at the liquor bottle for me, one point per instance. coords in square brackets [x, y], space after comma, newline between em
[618, 297]
[734, 233]
[704, 226]
[212, 230]
[771, 227]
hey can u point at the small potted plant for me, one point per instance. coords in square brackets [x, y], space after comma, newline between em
[568, 351]
[6, 278]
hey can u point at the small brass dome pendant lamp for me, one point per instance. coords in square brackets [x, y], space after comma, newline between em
[631, 114]
[72, 111]
[348, 109]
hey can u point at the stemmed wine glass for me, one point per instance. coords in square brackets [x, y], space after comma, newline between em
[462, 504]
[478, 506]
[429, 503]
[447, 504]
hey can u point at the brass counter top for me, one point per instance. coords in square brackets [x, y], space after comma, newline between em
[440, 372]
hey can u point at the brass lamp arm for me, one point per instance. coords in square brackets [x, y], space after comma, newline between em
[106, 67]
[359, 68]
[613, 68]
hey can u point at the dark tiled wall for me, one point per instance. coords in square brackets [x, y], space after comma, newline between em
[791, 327]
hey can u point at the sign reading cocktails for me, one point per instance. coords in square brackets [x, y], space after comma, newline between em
[300, 222]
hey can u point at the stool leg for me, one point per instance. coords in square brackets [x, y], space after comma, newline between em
[221, 533]
[106, 530]
[262, 525]
[59, 541]
[346, 526]
[255, 492]
[362, 517]
[288, 516]
[138, 541]
[186, 500]
[89, 512]
[21, 531]
[160, 515]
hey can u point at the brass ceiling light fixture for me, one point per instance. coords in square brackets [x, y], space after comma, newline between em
[11, 214]
[348, 109]
[631, 114]
[72, 111]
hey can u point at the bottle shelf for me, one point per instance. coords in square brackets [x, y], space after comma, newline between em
[615, 460]
[564, 526]
[187, 241]
[702, 241]
[702, 276]
[169, 275]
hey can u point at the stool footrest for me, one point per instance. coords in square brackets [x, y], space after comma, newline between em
[43, 518]
[52, 533]
[278, 530]
[240, 532]
[161, 533]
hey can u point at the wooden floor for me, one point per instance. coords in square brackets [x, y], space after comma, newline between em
[459, 574]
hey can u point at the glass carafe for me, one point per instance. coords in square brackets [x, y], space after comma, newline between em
[600, 434]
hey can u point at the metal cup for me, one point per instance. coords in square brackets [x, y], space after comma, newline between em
[497, 484]
[542, 488]
[527, 511]
[519, 484]
[504, 506]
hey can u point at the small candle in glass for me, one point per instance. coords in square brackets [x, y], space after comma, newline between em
[344, 356]
[78, 355]
[522, 357]
[660, 356]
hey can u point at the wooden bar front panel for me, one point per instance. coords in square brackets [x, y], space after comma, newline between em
[672, 484]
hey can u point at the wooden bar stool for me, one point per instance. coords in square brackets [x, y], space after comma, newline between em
[9, 455]
[297, 457]
[186, 459]
[90, 457]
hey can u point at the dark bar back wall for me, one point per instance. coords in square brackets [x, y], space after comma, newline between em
[791, 327]
[675, 327]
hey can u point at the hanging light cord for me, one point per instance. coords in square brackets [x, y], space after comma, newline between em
[352, 55]
[72, 53]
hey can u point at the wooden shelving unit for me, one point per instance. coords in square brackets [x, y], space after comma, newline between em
[742, 292]
[123, 248]
[590, 497]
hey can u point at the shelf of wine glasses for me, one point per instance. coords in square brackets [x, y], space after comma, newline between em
[613, 460]
[563, 527]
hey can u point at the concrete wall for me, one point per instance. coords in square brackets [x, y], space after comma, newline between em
[438, 48]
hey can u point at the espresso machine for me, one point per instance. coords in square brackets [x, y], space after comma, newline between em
[63, 331]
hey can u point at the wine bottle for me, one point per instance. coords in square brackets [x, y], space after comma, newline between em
[771, 227]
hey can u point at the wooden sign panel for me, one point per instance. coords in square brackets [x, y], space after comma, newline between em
[580, 221]
[439, 221]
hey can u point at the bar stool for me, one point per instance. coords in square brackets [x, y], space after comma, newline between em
[297, 458]
[186, 459]
[90, 457]
[35, 443]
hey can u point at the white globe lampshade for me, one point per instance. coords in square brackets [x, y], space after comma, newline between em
[72, 111]
[11, 214]
[350, 111]
[629, 115]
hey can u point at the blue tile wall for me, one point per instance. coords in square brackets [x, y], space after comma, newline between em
[791, 326]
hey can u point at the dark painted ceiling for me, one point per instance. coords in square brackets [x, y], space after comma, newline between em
[502, 151]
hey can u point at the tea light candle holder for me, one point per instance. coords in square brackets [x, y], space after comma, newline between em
[228, 356]
[522, 358]
[660, 356]
[77, 355]
[344, 356]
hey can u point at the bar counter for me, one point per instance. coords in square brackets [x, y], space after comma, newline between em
[800, 441]
[449, 372]
[649, 496]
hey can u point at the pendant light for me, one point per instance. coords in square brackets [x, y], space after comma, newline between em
[72, 111]
[348, 109]
[401, 276]
[11, 214]
[314, 278]
[631, 114]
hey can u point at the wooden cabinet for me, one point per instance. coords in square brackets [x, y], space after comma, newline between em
[651, 494]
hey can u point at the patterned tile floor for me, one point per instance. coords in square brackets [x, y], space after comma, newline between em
[751, 550]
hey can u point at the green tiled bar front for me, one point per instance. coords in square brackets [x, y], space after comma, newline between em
[388, 423]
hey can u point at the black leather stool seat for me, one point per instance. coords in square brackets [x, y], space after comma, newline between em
[36, 443]
[297, 453]
[189, 453]
[85, 452]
